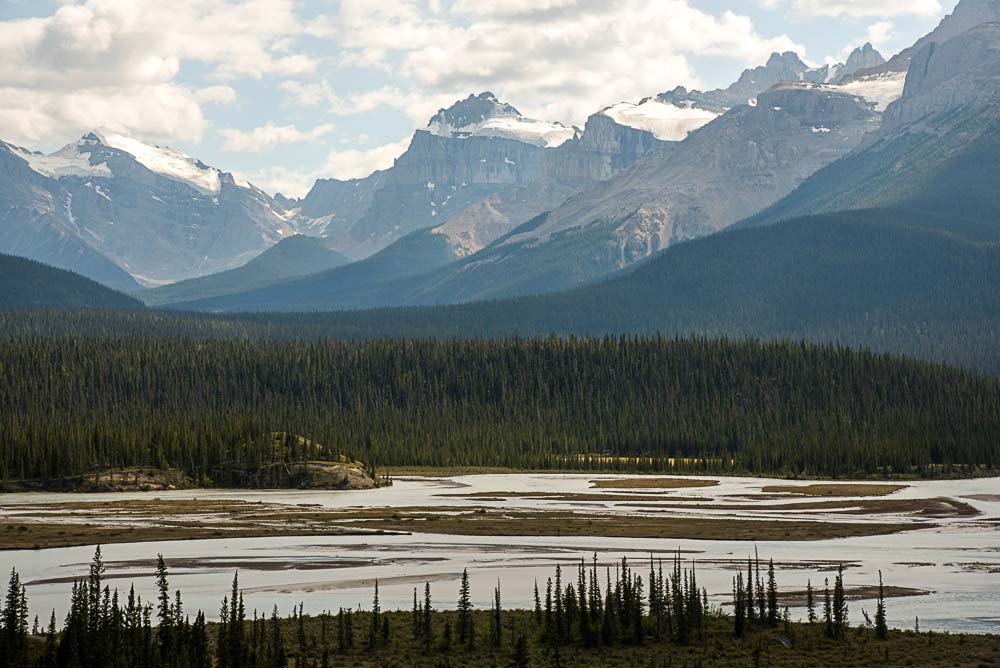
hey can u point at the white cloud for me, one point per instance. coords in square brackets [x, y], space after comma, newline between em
[355, 163]
[48, 118]
[867, 8]
[554, 59]
[116, 62]
[215, 95]
[266, 137]
[339, 164]
[417, 106]
[880, 34]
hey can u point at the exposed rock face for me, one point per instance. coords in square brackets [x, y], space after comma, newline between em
[863, 57]
[153, 212]
[470, 113]
[780, 68]
[935, 151]
[731, 168]
[36, 223]
[967, 15]
[961, 72]
[446, 171]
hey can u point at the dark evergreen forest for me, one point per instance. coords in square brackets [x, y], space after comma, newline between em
[70, 405]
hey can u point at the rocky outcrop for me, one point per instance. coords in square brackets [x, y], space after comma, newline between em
[780, 68]
[963, 72]
[864, 57]
[967, 15]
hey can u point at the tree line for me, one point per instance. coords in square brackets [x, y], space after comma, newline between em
[74, 405]
[617, 607]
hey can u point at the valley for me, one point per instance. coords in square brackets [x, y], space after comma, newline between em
[325, 549]
[443, 335]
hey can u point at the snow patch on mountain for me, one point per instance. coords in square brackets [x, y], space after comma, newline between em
[484, 116]
[666, 121]
[67, 161]
[165, 161]
[529, 131]
[882, 89]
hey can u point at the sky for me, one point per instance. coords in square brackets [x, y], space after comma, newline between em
[283, 92]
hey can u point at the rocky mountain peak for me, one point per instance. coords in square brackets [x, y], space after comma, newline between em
[788, 59]
[471, 112]
[863, 57]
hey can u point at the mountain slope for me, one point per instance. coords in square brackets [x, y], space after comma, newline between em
[887, 280]
[352, 286]
[25, 283]
[478, 148]
[741, 162]
[289, 258]
[36, 223]
[938, 149]
[154, 212]
[967, 15]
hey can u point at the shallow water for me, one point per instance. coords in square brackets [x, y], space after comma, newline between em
[953, 558]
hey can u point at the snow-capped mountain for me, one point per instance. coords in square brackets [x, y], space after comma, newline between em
[480, 149]
[664, 120]
[153, 211]
[781, 68]
[735, 165]
[484, 116]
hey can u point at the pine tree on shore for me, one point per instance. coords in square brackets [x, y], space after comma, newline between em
[881, 627]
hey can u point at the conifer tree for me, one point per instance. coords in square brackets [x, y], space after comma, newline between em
[881, 627]
[772, 596]
[839, 604]
[810, 602]
[465, 630]
[827, 609]
[427, 631]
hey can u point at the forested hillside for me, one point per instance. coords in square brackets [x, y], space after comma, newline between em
[71, 405]
[923, 285]
[289, 258]
[28, 284]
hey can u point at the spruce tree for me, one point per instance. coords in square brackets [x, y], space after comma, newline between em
[881, 627]
[839, 604]
[810, 602]
[827, 609]
[465, 631]
[427, 631]
[772, 596]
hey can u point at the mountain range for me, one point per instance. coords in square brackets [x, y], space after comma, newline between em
[854, 204]
[134, 215]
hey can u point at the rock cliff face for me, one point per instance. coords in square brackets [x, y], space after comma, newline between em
[864, 57]
[780, 68]
[962, 72]
[935, 151]
[967, 15]
[459, 162]
[155, 213]
[733, 167]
